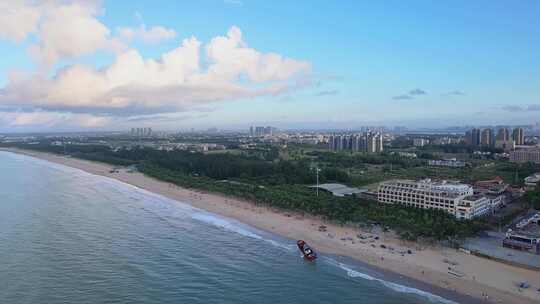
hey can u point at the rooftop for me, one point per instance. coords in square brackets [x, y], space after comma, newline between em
[533, 178]
[339, 189]
[474, 197]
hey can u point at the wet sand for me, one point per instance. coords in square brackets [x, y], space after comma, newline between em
[448, 269]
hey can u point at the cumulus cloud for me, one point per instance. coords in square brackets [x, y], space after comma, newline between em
[175, 81]
[230, 58]
[187, 77]
[153, 35]
[62, 29]
[69, 31]
[17, 20]
[51, 119]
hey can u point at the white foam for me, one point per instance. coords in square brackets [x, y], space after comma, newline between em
[394, 286]
[223, 223]
[236, 227]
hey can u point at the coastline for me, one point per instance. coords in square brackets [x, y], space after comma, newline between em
[426, 265]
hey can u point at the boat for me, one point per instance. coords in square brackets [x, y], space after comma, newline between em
[308, 253]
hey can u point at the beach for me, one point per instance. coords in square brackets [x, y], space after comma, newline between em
[487, 280]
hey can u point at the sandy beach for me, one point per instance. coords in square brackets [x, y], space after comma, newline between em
[486, 280]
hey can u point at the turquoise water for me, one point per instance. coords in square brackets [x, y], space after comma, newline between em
[67, 236]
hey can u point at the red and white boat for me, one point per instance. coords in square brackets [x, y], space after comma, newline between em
[308, 253]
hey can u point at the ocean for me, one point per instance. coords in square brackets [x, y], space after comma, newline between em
[67, 236]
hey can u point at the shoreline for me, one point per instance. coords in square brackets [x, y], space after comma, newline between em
[425, 265]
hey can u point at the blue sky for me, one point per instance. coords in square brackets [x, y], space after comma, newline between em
[469, 62]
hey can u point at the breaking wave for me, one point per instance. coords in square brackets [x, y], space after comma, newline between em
[394, 286]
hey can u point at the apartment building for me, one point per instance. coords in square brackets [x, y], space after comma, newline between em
[424, 194]
[525, 156]
[473, 206]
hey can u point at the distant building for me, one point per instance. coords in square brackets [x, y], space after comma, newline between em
[518, 136]
[506, 145]
[533, 219]
[453, 163]
[374, 142]
[496, 200]
[426, 194]
[486, 138]
[532, 181]
[139, 132]
[262, 131]
[472, 206]
[525, 156]
[368, 142]
[420, 142]
[522, 241]
[405, 154]
[494, 186]
[445, 140]
[472, 137]
[503, 134]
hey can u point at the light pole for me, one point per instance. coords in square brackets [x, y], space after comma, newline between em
[317, 170]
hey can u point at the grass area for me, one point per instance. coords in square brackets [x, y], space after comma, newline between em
[511, 173]
[226, 151]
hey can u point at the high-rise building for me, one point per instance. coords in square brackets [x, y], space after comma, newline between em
[331, 145]
[335, 143]
[518, 136]
[339, 143]
[472, 137]
[262, 131]
[368, 142]
[420, 142]
[486, 138]
[259, 131]
[357, 143]
[141, 132]
[504, 141]
[503, 134]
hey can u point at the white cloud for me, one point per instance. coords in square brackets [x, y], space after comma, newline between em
[68, 31]
[151, 36]
[63, 29]
[231, 58]
[17, 20]
[182, 79]
[51, 119]
[175, 81]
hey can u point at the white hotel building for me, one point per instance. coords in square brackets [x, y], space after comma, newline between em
[455, 198]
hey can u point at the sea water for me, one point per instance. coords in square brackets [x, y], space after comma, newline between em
[67, 236]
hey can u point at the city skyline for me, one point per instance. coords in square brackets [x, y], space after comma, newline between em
[85, 65]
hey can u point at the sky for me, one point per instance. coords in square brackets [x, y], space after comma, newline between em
[173, 65]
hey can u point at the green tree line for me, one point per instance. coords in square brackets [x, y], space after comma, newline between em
[281, 184]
